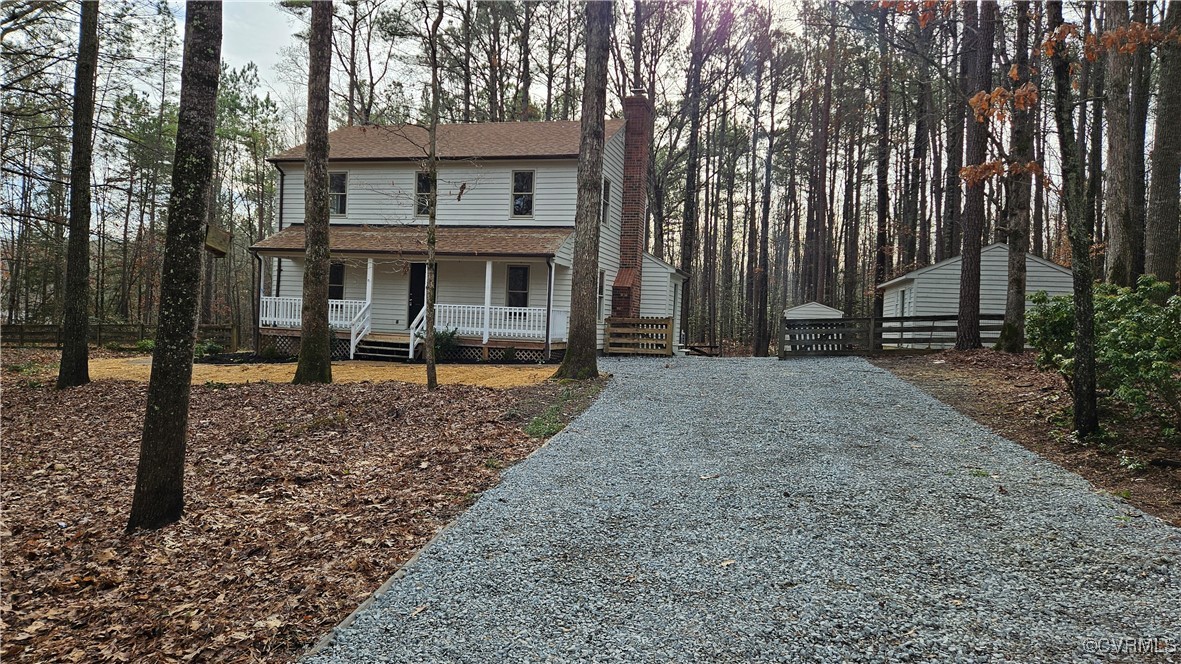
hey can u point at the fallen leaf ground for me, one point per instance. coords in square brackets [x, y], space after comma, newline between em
[300, 502]
[1139, 460]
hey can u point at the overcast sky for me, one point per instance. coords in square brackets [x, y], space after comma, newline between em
[252, 31]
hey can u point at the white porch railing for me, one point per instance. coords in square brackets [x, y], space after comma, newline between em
[287, 312]
[474, 320]
[360, 326]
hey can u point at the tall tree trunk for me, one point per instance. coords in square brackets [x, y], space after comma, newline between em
[1164, 213]
[75, 360]
[1017, 201]
[1086, 420]
[580, 360]
[432, 169]
[689, 220]
[315, 337]
[159, 481]
[882, 254]
[1120, 236]
[968, 322]
[762, 324]
[1137, 124]
[956, 116]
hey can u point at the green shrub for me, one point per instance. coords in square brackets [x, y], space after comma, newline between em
[1137, 342]
[203, 348]
[145, 345]
[269, 352]
[113, 345]
[446, 343]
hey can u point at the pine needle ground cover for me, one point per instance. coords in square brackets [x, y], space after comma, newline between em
[300, 502]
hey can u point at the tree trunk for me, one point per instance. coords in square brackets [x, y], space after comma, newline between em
[762, 324]
[882, 243]
[580, 360]
[1018, 199]
[159, 481]
[1137, 124]
[689, 220]
[956, 115]
[1120, 236]
[432, 169]
[1086, 420]
[315, 337]
[1162, 232]
[75, 360]
[967, 333]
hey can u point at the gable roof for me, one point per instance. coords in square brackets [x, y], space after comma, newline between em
[814, 307]
[489, 140]
[411, 240]
[996, 246]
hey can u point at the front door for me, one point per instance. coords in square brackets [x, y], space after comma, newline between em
[417, 297]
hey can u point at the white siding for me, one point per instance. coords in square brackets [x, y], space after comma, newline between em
[609, 231]
[937, 291]
[655, 290]
[383, 193]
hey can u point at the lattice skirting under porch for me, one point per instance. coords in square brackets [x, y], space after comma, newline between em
[285, 345]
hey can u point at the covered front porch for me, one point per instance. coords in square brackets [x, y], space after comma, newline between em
[392, 298]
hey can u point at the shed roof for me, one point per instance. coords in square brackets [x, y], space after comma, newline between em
[489, 140]
[411, 240]
[814, 308]
[955, 260]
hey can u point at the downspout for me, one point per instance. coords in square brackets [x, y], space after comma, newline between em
[279, 261]
[549, 307]
[257, 297]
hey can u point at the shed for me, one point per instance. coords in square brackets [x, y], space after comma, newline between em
[935, 290]
[809, 310]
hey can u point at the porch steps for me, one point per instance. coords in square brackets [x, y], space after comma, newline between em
[383, 350]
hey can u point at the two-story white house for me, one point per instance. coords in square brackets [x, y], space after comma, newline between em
[505, 241]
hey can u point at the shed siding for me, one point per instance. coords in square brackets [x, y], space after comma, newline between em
[812, 310]
[937, 291]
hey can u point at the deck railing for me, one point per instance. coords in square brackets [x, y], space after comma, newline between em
[287, 312]
[474, 320]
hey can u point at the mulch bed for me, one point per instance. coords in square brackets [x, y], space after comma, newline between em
[1010, 395]
[301, 501]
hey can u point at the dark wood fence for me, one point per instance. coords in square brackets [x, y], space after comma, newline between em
[640, 336]
[20, 334]
[863, 336]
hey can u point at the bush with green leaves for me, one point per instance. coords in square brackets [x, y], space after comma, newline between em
[1137, 342]
[145, 345]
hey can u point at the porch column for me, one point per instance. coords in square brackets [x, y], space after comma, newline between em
[487, 300]
[549, 308]
[369, 281]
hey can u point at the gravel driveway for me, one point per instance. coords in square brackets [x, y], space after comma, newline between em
[812, 510]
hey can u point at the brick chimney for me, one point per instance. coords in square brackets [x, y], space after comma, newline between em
[625, 292]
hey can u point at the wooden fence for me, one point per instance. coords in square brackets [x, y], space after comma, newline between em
[20, 334]
[640, 336]
[864, 336]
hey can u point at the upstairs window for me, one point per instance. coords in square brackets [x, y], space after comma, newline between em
[338, 185]
[422, 195]
[518, 286]
[605, 215]
[336, 281]
[522, 193]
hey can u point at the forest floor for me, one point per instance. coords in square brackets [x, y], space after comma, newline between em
[300, 501]
[1139, 458]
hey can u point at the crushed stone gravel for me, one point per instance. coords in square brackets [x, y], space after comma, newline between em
[810, 510]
